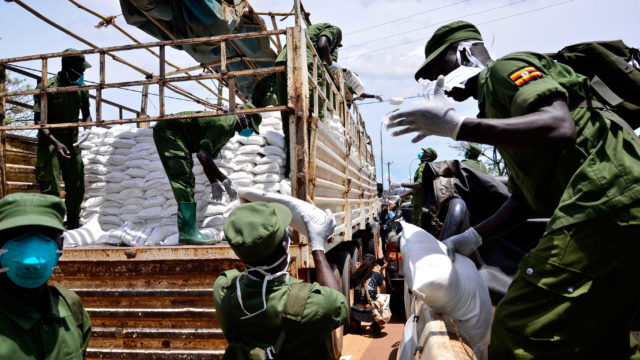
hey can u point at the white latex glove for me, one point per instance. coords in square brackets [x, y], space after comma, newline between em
[436, 117]
[319, 233]
[230, 189]
[216, 191]
[334, 66]
[379, 98]
[464, 243]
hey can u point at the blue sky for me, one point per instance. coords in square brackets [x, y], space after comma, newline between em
[383, 42]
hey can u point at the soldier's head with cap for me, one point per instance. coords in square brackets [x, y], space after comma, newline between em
[472, 151]
[30, 237]
[73, 67]
[452, 45]
[428, 155]
[257, 233]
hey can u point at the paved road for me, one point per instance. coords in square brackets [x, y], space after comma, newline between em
[366, 346]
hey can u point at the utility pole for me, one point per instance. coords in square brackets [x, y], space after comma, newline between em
[389, 171]
[382, 163]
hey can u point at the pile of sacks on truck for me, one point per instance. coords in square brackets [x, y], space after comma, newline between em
[128, 199]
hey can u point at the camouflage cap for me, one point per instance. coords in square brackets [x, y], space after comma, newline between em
[254, 230]
[474, 149]
[25, 209]
[442, 38]
[430, 151]
[74, 61]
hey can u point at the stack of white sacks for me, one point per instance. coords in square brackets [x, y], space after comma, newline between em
[128, 199]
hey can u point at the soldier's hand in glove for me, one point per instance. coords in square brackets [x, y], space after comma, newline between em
[230, 188]
[436, 117]
[379, 98]
[319, 233]
[464, 243]
[216, 191]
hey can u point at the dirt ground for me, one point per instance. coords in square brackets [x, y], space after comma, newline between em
[367, 346]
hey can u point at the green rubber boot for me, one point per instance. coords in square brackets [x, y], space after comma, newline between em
[189, 233]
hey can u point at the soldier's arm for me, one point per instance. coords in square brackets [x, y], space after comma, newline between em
[324, 49]
[209, 166]
[60, 148]
[324, 274]
[550, 124]
[512, 213]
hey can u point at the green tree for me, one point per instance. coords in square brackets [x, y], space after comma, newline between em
[18, 111]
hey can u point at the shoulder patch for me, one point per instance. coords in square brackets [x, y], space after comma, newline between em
[524, 74]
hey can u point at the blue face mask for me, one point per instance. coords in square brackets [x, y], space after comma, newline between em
[420, 154]
[246, 132]
[78, 81]
[29, 259]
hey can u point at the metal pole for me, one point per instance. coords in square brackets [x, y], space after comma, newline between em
[381, 162]
[389, 174]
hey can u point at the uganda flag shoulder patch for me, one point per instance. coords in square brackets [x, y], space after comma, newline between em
[524, 74]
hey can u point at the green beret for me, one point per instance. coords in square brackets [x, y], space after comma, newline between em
[442, 39]
[254, 230]
[255, 118]
[74, 61]
[474, 149]
[26, 209]
[432, 152]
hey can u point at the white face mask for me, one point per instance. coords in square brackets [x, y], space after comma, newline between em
[459, 76]
[267, 276]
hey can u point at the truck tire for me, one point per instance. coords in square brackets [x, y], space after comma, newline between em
[356, 255]
[337, 334]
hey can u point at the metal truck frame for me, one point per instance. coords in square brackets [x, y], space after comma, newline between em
[156, 302]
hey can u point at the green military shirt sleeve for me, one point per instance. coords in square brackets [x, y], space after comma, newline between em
[84, 99]
[219, 131]
[326, 309]
[219, 291]
[519, 85]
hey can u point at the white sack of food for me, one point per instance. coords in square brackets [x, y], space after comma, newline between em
[275, 138]
[121, 143]
[154, 201]
[248, 149]
[130, 209]
[116, 160]
[252, 140]
[271, 119]
[116, 177]
[88, 234]
[253, 158]
[297, 207]
[156, 175]
[213, 221]
[98, 169]
[155, 165]
[133, 183]
[243, 166]
[273, 150]
[266, 168]
[454, 288]
[267, 159]
[285, 187]
[139, 163]
[268, 186]
[214, 209]
[227, 153]
[135, 172]
[267, 177]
